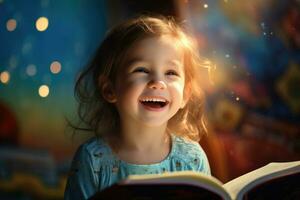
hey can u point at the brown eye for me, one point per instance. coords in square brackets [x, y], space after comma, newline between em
[141, 70]
[172, 73]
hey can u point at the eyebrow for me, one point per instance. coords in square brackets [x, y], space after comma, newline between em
[175, 62]
[134, 60]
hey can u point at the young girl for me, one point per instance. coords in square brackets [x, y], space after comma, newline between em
[140, 95]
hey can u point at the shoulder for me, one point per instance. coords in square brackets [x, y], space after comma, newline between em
[191, 154]
[93, 151]
[187, 148]
[95, 146]
[83, 178]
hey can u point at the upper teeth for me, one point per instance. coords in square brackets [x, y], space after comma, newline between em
[154, 100]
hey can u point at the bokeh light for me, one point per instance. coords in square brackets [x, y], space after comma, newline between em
[11, 24]
[4, 77]
[43, 90]
[55, 67]
[31, 70]
[42, 23]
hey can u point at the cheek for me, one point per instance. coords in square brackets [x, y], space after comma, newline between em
[178, 88]
[128, 89]
[133, 85]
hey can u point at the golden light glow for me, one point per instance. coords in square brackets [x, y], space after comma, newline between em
[55, 67]
[11, 24]
[227, 114]
[31, 70]
[43, 90]
[4, 77]
[42, 23]
[205, 6]
[185, 41]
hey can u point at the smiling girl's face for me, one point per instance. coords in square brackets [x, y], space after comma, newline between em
[150, 87]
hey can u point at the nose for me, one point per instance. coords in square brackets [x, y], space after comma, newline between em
[157, 84]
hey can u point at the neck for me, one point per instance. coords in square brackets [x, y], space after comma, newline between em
[143, 138]
[136, 140]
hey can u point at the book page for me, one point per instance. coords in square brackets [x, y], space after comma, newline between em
[181, 178]
[244, 183]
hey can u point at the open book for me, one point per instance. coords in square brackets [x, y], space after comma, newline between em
[273, 181]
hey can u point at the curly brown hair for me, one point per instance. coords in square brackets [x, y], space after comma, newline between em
[101, 117]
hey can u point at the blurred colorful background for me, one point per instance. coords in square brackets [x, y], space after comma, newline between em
[252, 86]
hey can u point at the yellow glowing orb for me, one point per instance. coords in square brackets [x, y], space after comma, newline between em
[43, 90]
[4, 77]
[42, 23]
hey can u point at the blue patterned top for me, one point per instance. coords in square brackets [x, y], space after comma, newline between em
[96, 167]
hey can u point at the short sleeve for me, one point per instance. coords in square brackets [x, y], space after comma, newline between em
[82, 182]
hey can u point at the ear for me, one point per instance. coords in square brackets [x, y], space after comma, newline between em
[107, 89]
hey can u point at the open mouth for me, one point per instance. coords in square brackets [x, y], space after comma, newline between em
[154, 102]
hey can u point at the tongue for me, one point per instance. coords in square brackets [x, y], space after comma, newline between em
[152, 104]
